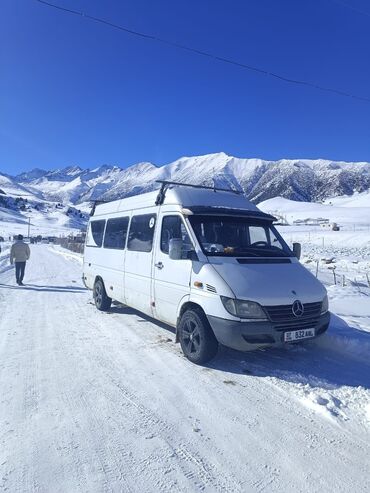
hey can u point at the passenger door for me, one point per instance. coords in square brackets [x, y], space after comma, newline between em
[93, 258]
[138, 262]
[171, 277]
[114, 257]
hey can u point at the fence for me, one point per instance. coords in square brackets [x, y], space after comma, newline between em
[74, 245]
[329, 273]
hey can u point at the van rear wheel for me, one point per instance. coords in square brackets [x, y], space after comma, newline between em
[102, 301]
[197, 340]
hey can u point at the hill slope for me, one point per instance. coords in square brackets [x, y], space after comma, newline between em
[301, 180]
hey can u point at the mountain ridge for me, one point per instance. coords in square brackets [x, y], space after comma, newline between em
[306, 180]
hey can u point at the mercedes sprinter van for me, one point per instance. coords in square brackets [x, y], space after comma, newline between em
[207, 262]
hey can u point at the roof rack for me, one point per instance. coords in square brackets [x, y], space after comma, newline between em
[95, 203]
[165, 184]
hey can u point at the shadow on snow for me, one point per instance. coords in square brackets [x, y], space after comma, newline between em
[339, 357]
[126, 310]
[37, 287]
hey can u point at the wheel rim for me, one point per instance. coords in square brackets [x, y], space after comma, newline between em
[191, 336]
[98, 294]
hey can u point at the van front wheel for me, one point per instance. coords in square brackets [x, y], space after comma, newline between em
[196, 337]
[102, 301]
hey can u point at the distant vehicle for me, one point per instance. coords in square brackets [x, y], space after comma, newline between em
[207, 262]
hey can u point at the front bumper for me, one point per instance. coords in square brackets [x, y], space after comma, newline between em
[246, 336]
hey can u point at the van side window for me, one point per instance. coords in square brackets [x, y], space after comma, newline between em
[258, 233]
[275, 241]
[140, 238]
[173, 227]
[115, 233]
[95, 233]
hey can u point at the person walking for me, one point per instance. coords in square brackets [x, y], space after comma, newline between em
[19, 254]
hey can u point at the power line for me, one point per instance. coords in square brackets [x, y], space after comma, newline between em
[206, 54]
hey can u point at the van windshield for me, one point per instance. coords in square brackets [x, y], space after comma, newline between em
[238, 236]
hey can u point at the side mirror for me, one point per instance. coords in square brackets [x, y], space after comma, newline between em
[175, 249]
[297, 248]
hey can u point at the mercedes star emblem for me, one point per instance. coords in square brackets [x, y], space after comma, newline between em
[297, 308]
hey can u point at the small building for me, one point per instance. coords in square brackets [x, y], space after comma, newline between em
[332, 226]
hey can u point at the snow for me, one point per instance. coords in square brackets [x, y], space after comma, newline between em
[344, 210]
[10, 216]
[355, 200]
[55, 225]
[298, 179]
[11, 188]
[49, 223]
[94, 401]
[47, 218]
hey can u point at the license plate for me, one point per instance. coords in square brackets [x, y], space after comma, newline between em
[296, 335]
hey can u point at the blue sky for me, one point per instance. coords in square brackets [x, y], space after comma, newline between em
[76, 92]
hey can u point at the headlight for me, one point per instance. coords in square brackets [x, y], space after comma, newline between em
[243, 309]
[325, 305]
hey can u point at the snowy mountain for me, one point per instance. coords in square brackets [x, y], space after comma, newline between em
[19, 203]
[301, 180]
[11, 187]
[31, 175]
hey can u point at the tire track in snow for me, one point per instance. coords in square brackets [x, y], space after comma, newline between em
[263, 390]
[150, 420]
[197, 470]
[195, 467]
[106, 459]
[101, 381]
[312, 438]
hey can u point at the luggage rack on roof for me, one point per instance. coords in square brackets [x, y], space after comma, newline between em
[95, 203]
[165, 184]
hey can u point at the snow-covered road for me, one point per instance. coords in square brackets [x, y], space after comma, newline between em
[97, 402]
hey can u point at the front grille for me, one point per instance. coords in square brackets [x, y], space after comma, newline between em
[298, 324]
[282, 314]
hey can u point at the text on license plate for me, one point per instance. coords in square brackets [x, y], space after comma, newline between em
[296, 335]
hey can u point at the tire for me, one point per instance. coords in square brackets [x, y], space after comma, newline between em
[197, 339]
[102, 301]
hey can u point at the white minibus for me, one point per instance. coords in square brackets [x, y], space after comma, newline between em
[207, 262]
